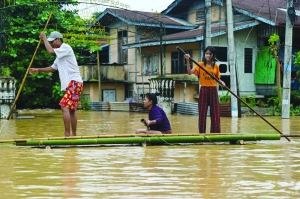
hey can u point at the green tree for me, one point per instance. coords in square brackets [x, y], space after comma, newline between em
[21, 24]
[273, 41]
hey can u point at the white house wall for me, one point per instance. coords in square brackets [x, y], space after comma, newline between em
[245, 38]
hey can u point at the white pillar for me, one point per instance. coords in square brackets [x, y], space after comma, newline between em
[287, 65]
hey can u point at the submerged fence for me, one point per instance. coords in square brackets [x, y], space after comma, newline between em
[190, 108]
[118, 106]
[187, 108]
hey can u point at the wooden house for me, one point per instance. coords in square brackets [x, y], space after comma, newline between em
[145, 44]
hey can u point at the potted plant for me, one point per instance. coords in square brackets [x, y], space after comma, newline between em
[225, 105]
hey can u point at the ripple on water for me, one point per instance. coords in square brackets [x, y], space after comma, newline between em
[264, 169]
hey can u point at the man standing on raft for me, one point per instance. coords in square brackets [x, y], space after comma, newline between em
[69, 75]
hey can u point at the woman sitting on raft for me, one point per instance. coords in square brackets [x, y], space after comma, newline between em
[158, 122]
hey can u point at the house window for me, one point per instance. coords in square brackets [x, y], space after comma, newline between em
[200, 15]
[150, 64]
[248, 59]
[178, 63]
[122, 54]
[109, 95]
[221, 54]
[222, 60]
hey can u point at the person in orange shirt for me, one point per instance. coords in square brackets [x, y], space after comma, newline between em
[208, 94]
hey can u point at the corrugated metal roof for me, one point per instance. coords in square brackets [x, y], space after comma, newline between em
[192, 35]
[141, 19]
[179, 5]
[272, 12]
[263, 10]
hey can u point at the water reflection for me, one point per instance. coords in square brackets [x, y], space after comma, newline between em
[70, 177]
[49, 123]
[266, 169]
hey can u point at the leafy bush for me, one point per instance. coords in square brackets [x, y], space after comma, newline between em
[225, 98]
[85, 103]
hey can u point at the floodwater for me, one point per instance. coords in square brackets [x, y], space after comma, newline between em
[263, 169]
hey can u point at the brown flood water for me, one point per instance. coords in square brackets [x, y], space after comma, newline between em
[265, 169]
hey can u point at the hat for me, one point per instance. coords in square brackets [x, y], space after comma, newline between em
[54, 35]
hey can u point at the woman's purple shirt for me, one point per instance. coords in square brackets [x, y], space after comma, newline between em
[162, 121]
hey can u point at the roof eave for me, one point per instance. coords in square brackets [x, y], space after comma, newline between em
[176, 2]
[165, 26]
[189, 40]
[157, 43]
[107, 11]
[247, 13]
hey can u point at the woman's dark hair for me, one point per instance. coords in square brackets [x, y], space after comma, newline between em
[152, 97]
[213, 51]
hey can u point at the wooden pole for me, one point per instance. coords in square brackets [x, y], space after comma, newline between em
[99, 77]
[27, 71]
[161, 50]
[178, 48]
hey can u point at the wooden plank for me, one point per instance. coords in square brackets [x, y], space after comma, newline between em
[225, 110]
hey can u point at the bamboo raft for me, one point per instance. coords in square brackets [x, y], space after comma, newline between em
[144, 139]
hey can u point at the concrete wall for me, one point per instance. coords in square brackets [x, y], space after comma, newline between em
[108, 72]
[191, 91]
[91, 89]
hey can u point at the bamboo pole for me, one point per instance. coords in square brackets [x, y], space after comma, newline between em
[137, 135]
[153, 140]
[103, 136]
[209, 135]
[178, 48]
[27, 71]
